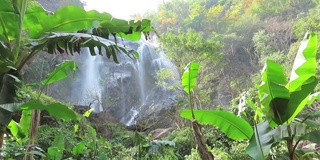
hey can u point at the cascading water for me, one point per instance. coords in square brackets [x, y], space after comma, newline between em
[88, 88]
[128, 90]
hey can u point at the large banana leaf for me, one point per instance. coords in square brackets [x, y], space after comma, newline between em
[273, 94]
[304, 65]
[189, 76]
[303, 81]
[69, 43]
[56, 109]
[300, 98]
[72, 18]
[234, 127]
[261, 142]
[8, 21]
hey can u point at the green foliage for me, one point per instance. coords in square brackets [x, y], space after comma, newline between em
[163, 75]
[273, 94]
[282, 101]
[307, 22]
[218, 152]
[304, 65]
[125, 144]
[189, 77]
[184, 143]
[234, 127]
[14, 150]
[195, 45]
[204, 51]
[81, 143]
[79, 19]
[60, 72]
[57, 148]
[56, 109]
[158, 150]
[261, 142]
[88, 112]
[265, 47]
[73, 42]
[261, 40]
[119, 135]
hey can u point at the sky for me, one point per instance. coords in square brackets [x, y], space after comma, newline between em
[122, 8]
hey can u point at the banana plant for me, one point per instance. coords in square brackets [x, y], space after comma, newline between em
[189, 79]
[282, 101]
[234, 127]
[25, 31]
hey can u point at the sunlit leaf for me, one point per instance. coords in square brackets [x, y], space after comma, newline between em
[103, 24]
[60, 72]
[76, 128]
[14, 128]
[234, 127]
[304, 65]
[189, 76]
[88, 112]
[273, 94]
[25, 121]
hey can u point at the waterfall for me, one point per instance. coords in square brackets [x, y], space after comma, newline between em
[88, 89]
[128, 90]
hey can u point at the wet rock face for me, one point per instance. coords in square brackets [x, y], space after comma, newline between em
[129, 90]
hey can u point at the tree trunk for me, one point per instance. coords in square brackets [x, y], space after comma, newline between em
[290, 148]
[2, 131]
[34, 125]
[205, 154]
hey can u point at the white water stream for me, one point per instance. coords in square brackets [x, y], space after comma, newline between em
[127, 90]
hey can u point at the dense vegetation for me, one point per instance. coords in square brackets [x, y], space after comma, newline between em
[236, 112]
